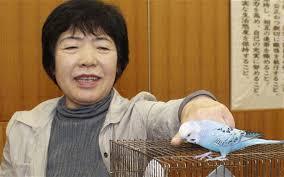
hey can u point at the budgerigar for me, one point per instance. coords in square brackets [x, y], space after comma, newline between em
[219, 137]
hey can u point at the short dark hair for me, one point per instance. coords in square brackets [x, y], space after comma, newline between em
[88, 16]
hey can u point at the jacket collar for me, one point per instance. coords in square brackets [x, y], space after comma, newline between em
[39, 116]
[116, 108]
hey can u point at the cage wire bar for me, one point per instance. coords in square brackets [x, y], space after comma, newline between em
[145, 158]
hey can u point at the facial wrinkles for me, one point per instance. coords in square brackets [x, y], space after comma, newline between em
[102, 44]
[104, 40]
[85, 62]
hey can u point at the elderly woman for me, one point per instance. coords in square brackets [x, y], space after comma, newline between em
[85, 50]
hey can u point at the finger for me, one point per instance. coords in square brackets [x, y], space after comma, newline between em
[176, 140]
[228, 117]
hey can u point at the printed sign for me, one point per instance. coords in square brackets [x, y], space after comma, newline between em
[257, 54]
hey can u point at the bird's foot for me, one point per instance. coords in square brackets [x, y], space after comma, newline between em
[202, 156]
[220, 158]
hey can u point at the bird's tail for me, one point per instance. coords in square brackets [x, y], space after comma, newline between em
[263, 141]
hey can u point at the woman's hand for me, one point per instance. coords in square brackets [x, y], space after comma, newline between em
[203, 107]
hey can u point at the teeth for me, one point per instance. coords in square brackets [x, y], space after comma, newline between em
[88, 78]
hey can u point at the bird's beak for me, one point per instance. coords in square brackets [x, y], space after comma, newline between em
[177, 140]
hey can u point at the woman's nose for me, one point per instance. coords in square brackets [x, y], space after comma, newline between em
[88, 57]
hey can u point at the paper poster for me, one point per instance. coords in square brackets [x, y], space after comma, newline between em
[257, 54]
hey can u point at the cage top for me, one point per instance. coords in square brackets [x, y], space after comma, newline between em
[164, 152]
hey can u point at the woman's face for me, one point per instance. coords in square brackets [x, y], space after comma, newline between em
[85, 67]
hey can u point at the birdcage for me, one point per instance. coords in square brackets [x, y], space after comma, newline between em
[139, 158]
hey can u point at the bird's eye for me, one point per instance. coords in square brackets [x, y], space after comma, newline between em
[188, 135]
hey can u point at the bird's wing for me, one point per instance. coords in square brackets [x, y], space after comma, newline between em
[224, 135]
[251, 135]
[227, 136]
[220, 134]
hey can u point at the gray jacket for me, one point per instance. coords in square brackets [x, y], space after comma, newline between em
[28, 132]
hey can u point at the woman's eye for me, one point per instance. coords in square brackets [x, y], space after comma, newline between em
[103, 48]
[70, 48]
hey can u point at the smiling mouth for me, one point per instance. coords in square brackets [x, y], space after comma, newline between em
[87, 81]
[87, 78]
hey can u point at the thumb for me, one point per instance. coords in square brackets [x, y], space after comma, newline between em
[176, 140]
